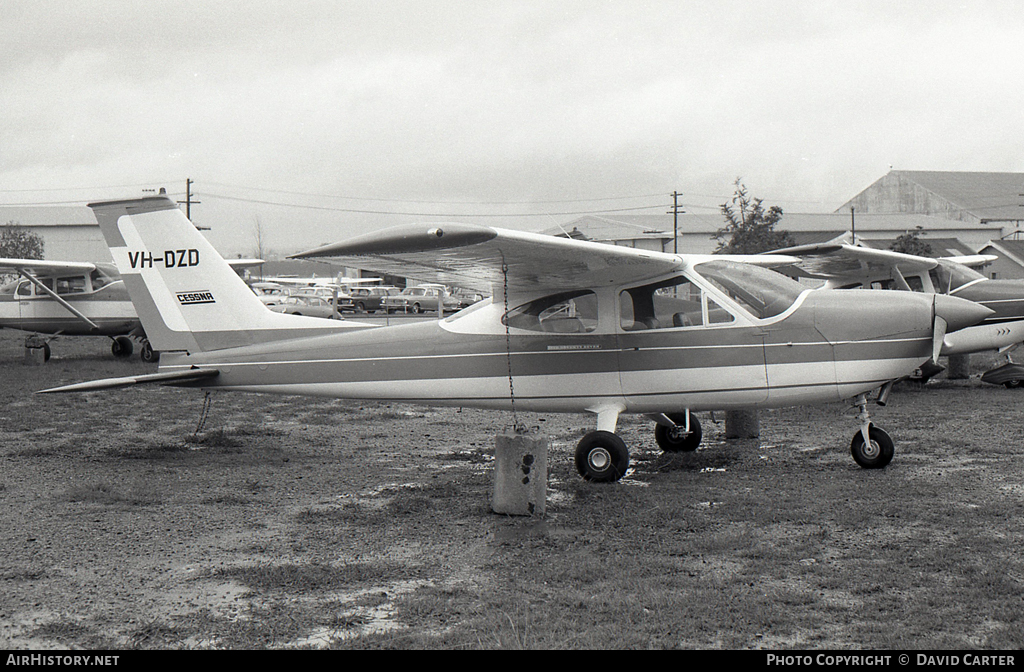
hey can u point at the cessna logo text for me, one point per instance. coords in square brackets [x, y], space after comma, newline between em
[171, 259]
[192, 298]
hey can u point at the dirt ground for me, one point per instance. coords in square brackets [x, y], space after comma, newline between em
[135, 519]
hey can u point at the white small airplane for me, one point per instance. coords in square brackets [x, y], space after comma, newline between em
[70, 298]
[842, 265]
[572, 326]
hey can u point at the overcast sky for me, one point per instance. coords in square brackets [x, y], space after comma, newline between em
[386, 112]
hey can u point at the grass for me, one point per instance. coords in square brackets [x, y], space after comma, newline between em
[292, 522]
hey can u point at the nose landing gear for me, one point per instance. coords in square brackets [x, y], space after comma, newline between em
[872, 447]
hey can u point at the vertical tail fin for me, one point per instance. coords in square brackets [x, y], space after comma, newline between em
[187, 297]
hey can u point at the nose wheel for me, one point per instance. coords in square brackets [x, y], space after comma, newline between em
[872, 447]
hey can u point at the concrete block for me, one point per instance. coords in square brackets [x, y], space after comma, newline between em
[742, 425]
[520, 474]
[959, 367]
[35, 356]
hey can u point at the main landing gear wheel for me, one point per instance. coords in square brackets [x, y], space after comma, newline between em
[148, 354]
[602, 457]
[676, 439]
[877, 453]
[121, 347]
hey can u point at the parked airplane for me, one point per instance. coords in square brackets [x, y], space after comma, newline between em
[69, 298]
[572, 326]
[851, 266]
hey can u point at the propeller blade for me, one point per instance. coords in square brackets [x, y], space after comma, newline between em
[938, 335]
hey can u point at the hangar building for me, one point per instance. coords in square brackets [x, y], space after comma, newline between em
[69, 232]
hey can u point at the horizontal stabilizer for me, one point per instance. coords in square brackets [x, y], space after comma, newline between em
[128, 381]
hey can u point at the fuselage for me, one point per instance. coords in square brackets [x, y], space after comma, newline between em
[26, 308]
[828, 345]
[1004, 297]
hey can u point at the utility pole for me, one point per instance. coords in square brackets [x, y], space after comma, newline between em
[188, 198]
[675, 221]
[853, 228]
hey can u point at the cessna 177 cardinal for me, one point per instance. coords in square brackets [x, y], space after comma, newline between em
[572, 326]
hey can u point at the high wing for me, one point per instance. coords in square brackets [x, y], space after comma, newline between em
[972, 260]
[45, 268]
[244, 263]
[485, 258]
[841, 261]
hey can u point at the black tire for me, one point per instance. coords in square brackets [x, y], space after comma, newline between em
[361, 307]
[1012, 384]
[122, 347]
[672, 440]
[875, 456]
[46, 352]
[148, 354]
[602, 457]
[416, 308]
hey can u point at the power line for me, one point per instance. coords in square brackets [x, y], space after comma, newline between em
[426, 214]
[397, 200]
[112, 186]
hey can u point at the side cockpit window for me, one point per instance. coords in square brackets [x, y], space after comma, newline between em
[99, 279]
[762, 292]
[669, 304]
[572, 312]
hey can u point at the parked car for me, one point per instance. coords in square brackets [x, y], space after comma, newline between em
[420, 299]
[270, 293]
[366, 299]
[322, 291]
[467, 297]
[305, 305]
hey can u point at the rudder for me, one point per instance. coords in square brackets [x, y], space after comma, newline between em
[187, 297]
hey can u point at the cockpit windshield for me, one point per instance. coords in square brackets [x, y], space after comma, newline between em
[949, 276]
[763, 292]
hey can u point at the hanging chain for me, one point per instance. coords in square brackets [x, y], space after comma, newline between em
[516, 427]
[203, 415]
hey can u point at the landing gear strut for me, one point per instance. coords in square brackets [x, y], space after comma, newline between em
[677, 432]
[872, 448]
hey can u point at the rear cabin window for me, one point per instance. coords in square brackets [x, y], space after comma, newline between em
[565, 313]
[71, 285]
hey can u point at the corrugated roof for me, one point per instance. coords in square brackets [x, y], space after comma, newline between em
[994, 196]
[987, 195]
[47, 215]
[941, 247]
[1012, 248]
[825, 225]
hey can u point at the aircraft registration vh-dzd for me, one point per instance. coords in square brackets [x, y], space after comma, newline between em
[572, 326]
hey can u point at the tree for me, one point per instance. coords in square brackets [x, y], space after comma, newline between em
[18, 243]
[911, 243]
[749, 228]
